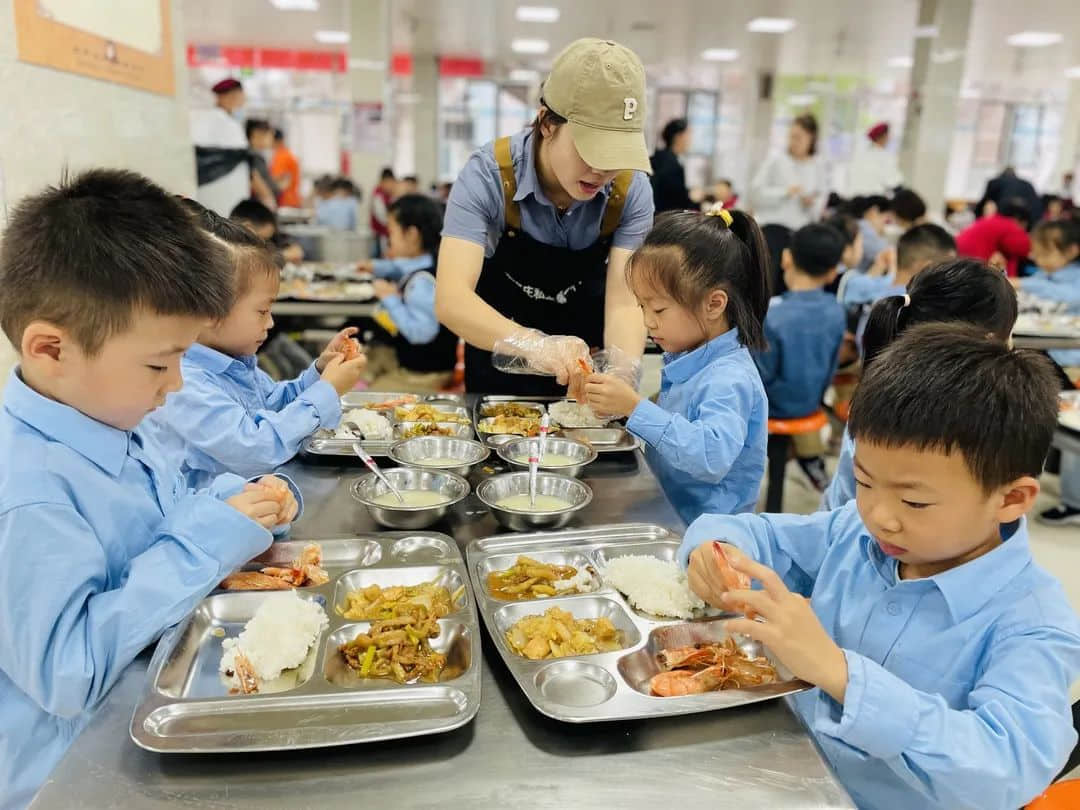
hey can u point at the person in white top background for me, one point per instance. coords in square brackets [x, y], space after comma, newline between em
[874, 169]
[223, 129]
[791, 187]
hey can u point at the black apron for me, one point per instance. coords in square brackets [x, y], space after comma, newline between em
[554, 289]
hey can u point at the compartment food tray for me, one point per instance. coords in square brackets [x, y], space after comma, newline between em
[614, 438]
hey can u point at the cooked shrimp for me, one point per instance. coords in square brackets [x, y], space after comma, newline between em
[733, 580]
[679, 682]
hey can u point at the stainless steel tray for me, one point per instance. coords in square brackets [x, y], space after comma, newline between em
[614, 438]
[325, 443]
[185, 706]
[607, 686]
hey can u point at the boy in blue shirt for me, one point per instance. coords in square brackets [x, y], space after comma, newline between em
[942, 654]
[230, 416]
[804, 329]
[916, 250]
[104, 282]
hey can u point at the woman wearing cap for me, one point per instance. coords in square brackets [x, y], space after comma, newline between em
[539, 227]
[874, 169]
[790, 188]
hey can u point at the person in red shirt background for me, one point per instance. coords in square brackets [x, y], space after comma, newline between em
[285, 169]
[1000, 238]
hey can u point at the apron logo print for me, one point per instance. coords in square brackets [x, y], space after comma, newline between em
[537, 294]
[629, 107]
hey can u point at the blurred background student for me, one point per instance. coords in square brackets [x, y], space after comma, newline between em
[285, 171]
[669, 177]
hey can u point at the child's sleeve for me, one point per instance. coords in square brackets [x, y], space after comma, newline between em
[792, 545]
[414, 310]
[66, 631]
[707, 446]
[280, 394]
[244, 443]
[1052, 291]
[228, 484]
[1001, 751]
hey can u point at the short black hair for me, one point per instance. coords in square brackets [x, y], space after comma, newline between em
[924, 243]
[423, 213]
[1061, 234]
[253, 125]
[249, 253]
[816, 249]
[945, 387]
[323, 182]
[279, 135]
[387, 174]
[1016, 208]
[411, 178]
[846, 225]
[908, 205]
[858, 206]
[672, 130]
[343, 184]
[253, 211]
[85, 254]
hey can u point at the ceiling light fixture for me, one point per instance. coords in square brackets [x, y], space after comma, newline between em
[719, 55]
[537, 14]
[926, 32]
[524, 75]
[901, 62]
[295, 5]
[945, 56]
[770, 25]
[530, 46]
[1034, 39]
[332, 37]
[802, 99]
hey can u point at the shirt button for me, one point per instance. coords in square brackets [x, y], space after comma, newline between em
[893, 608]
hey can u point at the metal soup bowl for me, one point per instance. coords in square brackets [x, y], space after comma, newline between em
[498, 487]
[582, 454]
[466, 453]
[396, 516]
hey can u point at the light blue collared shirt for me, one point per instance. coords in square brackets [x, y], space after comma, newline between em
[873, 244]
[338, 213]
[413, 308]
[475, 210]
[231, 417]
[104, 548]
[958, 684]
[1062, 285]
[861, 289]
[706, 434]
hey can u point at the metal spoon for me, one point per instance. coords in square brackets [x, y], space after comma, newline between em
[545, 426]
[534, 465]
[371, 465]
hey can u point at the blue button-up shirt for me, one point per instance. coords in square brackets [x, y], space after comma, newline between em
[231, 417]
[706, 433]
[413, 308]
[873, 244]
[804, 331]
[859, 289]
[338, 213]
[104, 548]
[1061, 285]
[958, 684]
[475, 210]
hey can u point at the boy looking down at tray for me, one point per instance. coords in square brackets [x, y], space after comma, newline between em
[230, 416]
[105, 280]
[942, 653]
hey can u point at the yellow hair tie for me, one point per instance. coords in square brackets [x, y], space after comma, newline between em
[723, 213]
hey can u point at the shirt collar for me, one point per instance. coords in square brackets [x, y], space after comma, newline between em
[968, 587]
[529, 183]
[681, 367]
[214, 361]
[101, 444]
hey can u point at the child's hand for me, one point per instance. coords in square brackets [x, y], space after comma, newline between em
[344, 374]
[384, 288]
[791, 630]
[711, 574]
[884, 264]
[367, 266]
[342, 343]
[257, 503]
[283, 494]
[607, 394]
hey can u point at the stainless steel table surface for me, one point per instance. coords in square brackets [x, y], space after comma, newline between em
[510, 756]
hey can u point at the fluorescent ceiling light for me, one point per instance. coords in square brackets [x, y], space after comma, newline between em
[1034, 39]
[332, 37]
[802, 99]
[719, 55]
[523, 75]
[1073, 72]
[770, 25]
[296, 5]
[537, 14]
[926, 32]
[530, 46]
[901, 62]
[945, 56]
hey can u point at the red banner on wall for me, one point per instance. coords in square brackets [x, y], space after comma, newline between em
[401, 64]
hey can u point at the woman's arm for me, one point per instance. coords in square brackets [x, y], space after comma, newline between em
[624, 325]
[457, 305]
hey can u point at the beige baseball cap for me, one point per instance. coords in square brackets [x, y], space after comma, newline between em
[598, 86]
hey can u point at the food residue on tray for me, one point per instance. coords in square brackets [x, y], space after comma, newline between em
[427, 413]
[275, 641]
[653, 585]
[305, 570]
[710, 667]
[531, 579]
[575, 415]
[411, 498]
[416, 601]
[373, 426]
[513, 409]
[426, 429]
[543, 503]
[512, 425]
[558, 634]
[390, 404]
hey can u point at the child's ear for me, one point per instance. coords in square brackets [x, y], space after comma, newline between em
[716, 304]
[786, 262]
[46, 346]
[1017, 498]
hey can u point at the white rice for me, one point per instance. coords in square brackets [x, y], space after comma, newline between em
[277, 637]
[654, 586]
[373, 425]
[574, 415]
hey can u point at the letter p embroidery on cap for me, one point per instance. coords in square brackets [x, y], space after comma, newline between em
[629, 108]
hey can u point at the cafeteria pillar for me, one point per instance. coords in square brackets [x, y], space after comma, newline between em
[369, 71]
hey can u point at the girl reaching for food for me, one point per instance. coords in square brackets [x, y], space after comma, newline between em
[702, 282]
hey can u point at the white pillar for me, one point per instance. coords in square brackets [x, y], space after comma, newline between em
[369, 71]
[426, 117]
[1069, 150]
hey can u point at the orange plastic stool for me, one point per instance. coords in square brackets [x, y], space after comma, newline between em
[803, 424]
[845, 379]
[780, 433]
[842, 410]
[1063, 795]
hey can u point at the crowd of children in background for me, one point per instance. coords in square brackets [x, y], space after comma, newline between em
[942, 654]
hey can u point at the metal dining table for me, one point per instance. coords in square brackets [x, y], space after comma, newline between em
[758, 756]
